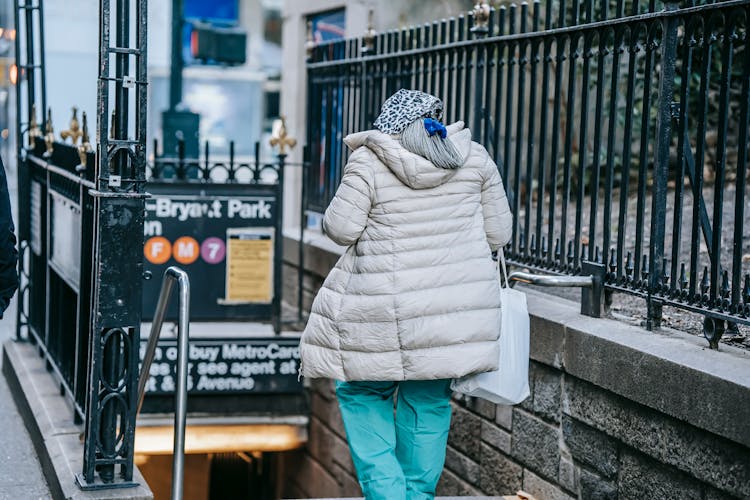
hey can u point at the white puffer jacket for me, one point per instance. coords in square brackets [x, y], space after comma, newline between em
[416, 295]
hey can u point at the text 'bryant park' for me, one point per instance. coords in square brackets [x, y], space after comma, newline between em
[375, 249]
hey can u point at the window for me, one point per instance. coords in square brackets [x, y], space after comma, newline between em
[326, 157]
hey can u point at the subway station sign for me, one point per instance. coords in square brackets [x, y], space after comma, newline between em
[259, 366]
[223, 237]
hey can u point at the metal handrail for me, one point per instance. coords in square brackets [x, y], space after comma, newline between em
[545, 280]
[590, 284]
[171, 275]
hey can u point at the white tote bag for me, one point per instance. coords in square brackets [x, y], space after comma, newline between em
[509, 385]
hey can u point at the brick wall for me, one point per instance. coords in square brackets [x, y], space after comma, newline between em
[615, 412]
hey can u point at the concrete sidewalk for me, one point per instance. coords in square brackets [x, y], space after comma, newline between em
[21, 476]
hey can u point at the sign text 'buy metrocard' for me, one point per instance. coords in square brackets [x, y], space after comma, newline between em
[228, 365]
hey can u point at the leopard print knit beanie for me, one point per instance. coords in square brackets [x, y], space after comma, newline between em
[415, 117]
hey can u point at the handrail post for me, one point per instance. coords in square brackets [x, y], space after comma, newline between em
[180, 407]
[171, 275]
[591, 297]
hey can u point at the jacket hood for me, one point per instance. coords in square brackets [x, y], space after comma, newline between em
[413, 170]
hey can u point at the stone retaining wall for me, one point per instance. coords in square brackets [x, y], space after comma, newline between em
[615, 412]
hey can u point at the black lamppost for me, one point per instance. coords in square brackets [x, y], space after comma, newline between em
[175, 74]
[179, 125]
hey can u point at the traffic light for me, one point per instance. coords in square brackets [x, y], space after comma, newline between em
[211, 43]
[177, 126]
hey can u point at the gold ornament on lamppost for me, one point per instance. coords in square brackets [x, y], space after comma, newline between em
[368, 40]
[34, 130]
[481, 18]
[309, 41]
[49, 136]
[280, 137]
[85, 147]
[74, 132]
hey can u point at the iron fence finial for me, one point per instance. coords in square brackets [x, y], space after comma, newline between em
[49, 136]
[85, 147]
[280, 137]
[481, 18]
[368, 40]
[74, 130]
[309, 42]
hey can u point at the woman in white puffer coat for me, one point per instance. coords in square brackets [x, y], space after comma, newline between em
[414, 301]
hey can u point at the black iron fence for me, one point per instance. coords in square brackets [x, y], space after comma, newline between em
[620, 130]
[229, 168]
[57, 218]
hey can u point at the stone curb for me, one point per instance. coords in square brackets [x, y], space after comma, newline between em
[49, 420]
[667, 370]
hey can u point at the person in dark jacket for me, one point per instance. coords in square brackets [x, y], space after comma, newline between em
[8, 252]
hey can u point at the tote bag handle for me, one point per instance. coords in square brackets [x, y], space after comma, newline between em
[501, 265]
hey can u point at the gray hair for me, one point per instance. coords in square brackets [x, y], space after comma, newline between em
[441, 152]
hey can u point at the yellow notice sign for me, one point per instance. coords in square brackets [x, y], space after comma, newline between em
[249, 265]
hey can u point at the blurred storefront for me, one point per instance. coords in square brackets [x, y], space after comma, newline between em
[236, 102]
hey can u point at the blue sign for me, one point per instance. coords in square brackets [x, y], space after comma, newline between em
[223, 11]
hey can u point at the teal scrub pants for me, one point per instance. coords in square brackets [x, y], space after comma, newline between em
[401, 457]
